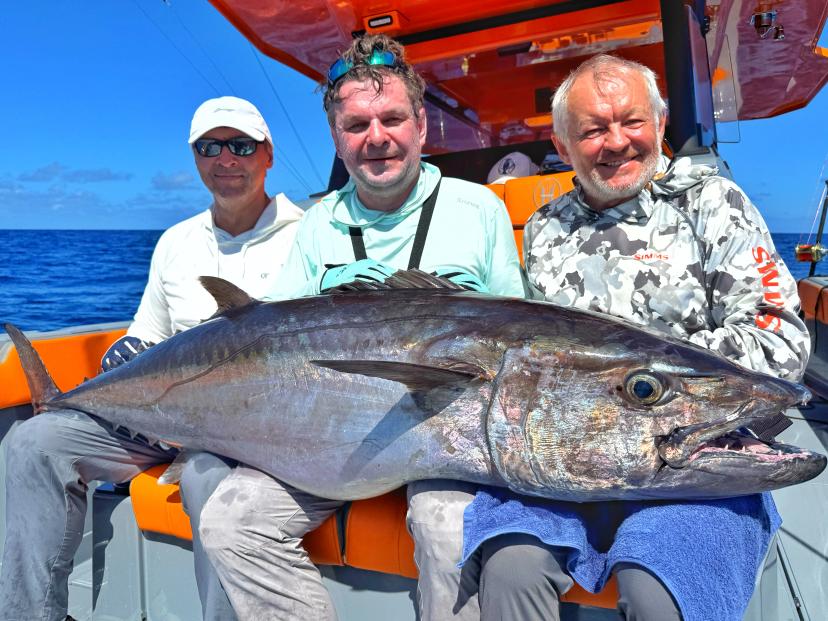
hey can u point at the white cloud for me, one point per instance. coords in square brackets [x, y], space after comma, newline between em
[181, 180]
[50, 172]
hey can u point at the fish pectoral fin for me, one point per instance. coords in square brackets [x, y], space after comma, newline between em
[417, 377]
[174, 471]
[227, 295]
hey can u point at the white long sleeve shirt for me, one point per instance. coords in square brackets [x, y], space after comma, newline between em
[174, 300]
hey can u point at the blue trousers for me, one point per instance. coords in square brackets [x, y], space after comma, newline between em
[50, 461]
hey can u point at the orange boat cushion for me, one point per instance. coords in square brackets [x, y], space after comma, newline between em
[814, 299]
[607, 598]
[525, 195]
[70, 359]
[376, 537]
[498, 189]
[158, 509]
[519, 242]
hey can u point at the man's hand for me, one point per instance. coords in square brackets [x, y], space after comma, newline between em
[464, 279]
[365, 269]
[121, 351]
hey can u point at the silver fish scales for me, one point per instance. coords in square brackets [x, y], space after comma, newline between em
[352, 394]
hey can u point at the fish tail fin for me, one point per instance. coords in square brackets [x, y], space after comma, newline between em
[41, 385]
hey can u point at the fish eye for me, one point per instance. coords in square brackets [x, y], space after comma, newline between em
[644, 388]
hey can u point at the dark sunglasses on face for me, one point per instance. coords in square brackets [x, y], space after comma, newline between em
[342, 66]
[209, 147]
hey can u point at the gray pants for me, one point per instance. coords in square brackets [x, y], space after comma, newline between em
[435, 521]
[200, 478]
[514, 576]
[522, 578]
[252, 529]
[50, 460]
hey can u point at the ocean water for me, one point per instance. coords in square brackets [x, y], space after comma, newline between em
[54, 279]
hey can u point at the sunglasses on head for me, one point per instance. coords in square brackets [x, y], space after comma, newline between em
[342, 66]
[209, 147]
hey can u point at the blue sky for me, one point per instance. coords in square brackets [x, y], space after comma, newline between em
[99, 97]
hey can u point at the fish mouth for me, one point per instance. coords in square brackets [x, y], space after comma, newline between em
[737, 444]
[723, 439]
[735, 464]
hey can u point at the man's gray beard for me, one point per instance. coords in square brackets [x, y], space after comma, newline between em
[605, 193]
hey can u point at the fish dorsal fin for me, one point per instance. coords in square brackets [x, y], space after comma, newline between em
[227, 295]
[417, 377]
[401, 279]
[41, 385]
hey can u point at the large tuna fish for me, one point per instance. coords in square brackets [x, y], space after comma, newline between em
[353, 394]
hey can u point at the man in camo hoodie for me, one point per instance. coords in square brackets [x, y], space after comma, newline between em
[675, 247]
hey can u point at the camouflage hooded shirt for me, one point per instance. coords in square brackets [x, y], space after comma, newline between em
[690, 256]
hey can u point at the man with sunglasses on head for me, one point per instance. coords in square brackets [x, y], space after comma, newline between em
[395, 212]
[243, 237]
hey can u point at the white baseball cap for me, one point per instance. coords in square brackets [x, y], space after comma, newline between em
[515, 164]
[232, 112]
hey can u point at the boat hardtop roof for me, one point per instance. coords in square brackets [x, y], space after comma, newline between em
[491, 66]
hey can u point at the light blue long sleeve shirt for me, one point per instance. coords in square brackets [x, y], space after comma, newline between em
[470, 231]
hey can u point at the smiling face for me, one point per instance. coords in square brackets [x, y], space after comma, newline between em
[231, 177]
[379, 138]
[613, 139]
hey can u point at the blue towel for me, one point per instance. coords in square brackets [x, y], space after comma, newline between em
[707, 553]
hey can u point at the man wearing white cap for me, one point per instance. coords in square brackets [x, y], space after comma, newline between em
[243, 237]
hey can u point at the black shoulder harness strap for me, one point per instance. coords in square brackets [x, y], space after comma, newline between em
[426, 212]
[357, 242]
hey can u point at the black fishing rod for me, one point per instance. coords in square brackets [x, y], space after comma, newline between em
[816, 251]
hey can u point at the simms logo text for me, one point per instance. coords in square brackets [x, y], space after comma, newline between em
[770, 285]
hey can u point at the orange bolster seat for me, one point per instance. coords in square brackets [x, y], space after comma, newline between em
[607, 598]
[158, 509]
[376, 537]
[525, 195]
[498, 189]
[70, 358]
[814, 299]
